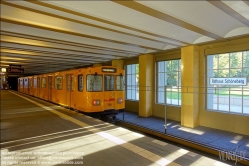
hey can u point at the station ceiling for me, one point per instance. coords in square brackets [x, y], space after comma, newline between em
[47, 36]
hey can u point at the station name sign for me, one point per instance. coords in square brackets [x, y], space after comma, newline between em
[228, 81]
[15, 70]
[109, 70]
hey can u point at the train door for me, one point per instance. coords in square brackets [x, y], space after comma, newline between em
[38, 86]
[35, 87]
[50, 86]
[69, 81]
[109, 93]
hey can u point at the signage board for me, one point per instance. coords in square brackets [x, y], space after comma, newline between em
[15, 70]
[109, 70]
[228, 81]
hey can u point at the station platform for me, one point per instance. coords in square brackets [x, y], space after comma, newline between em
[36, 132]
[218, 140]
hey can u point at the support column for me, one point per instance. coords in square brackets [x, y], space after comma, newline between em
[118, 63]
[146, 90]
[190, 86]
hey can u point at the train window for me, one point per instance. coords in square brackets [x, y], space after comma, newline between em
[21, 83]
[58, 83]
[109, 82]
[94, 83]
[120, 82]
[35, 82]
[43, 82]
[25, 83]
[30, 82]
[38, 82]
[80, 83]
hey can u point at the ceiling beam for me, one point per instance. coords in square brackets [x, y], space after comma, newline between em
[63, 31]
[56, 41]
[85, 23]
[165, 17]
[73, 12]
[222, 6]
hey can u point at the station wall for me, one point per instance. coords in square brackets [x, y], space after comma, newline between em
[219, 120]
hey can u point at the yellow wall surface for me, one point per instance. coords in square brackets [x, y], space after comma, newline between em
[219, 120]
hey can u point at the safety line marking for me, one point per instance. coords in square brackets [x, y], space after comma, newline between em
[54, 111]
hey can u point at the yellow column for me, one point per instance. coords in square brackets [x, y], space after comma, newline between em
[97, 64]
[190, 84]
[118, 63]
[146, 73]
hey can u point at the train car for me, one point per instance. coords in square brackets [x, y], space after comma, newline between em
[20, 84]
[98, 90]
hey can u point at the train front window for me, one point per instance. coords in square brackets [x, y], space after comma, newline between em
[94, 83]
[109, 82]
[120, 82]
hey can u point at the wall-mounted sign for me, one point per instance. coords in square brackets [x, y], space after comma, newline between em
[228, 81]
[109, 70]
[15, 70]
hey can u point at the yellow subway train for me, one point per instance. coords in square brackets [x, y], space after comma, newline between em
[89, 90]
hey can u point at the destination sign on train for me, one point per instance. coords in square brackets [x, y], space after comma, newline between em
[15, 70]
[109, 70]
[228, 81]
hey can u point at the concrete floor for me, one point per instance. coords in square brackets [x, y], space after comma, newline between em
[35, 132]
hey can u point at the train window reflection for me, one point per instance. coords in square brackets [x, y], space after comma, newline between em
[58, 83]
[120, 83]
[109, 83]
[94, 83]
[80, 83]
[43, 83]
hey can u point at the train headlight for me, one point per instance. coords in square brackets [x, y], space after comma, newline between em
[120, 100]
[96, 102]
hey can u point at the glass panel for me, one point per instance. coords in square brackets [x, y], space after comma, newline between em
[210, 62]
[128, 69]
[94, 83]
[80, 83]
[35, 82]
[246, 59]
[120, 83]
[109, 83]
[236, 60]
[223, 99]
[68, 81]
[246, 99]
[161, 66]
[38, 82]
[222, 73]
[43, 83]
[73, 80]
[223, 61]
[174, 65]
[133, 69]
[58, 83]
[180, 65]
[128, 96]
[235, 72]
[236, 99]
[132, 81]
